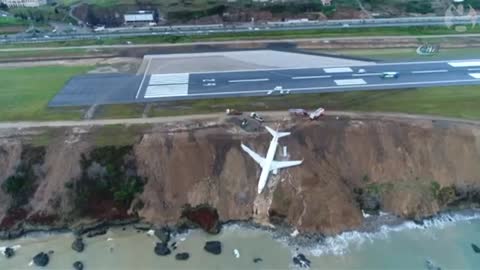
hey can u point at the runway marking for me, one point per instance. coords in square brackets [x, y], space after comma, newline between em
[429, 71]
[310, 77]
[250, 80]
[473, 69]
[465, 64]
[172, 78]
[350, 82]
[166, 90]
[143, 79]
[334, 87]
[367, 74]
[337, 70]
[475, 75]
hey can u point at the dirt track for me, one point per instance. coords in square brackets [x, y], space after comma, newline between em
[271, 116]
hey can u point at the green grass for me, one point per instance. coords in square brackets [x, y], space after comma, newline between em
[118, 135]
[8, 55]
[25, 92]
[279, 34]
[452, 101]
[120, 111]
[409, 53]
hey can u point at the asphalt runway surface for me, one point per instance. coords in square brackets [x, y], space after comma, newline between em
[111, 89]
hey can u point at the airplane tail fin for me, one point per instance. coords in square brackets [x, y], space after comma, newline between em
[276, 133]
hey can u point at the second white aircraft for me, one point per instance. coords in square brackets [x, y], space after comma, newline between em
[267, 163]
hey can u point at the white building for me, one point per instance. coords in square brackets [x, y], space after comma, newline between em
[24, 3]
[141, 16]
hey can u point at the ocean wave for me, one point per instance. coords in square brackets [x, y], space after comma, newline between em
[341, 244]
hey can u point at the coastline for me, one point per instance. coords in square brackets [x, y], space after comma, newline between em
[374, 226]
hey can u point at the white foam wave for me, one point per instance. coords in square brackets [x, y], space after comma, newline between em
[341, 244]
[15, 247]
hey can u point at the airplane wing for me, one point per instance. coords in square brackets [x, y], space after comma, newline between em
[284, 164]
[254, 155]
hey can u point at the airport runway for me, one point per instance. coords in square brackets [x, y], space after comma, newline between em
[104, 89]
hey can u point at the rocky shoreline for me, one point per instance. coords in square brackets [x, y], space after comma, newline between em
[372, 224]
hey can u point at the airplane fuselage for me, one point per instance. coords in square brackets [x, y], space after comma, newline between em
[272, 149]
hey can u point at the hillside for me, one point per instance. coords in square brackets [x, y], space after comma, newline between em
[412, 168]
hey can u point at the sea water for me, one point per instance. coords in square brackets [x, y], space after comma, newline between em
[444, 241]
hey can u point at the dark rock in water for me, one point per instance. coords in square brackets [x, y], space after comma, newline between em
[214, 247]
[78, 265]
[431, 266]
[50, 252]
[124, 229]
[301, 260]
[257, 260]
[41, 259]
[9, 252]
[203, 216]
[163, 234]
[78, 245]
[182, 256]
[419, 222]
[475, 248]
[142, 226]
[96, 232]
[173, 244]
[174, 247]
[162, 249]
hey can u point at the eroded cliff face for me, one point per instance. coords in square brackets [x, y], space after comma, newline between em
[410, 168]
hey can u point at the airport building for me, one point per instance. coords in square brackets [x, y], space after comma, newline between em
[139, 17]
[24, 3]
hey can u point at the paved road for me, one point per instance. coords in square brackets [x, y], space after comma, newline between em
[260, 41]
[245, 27]
[110, 89]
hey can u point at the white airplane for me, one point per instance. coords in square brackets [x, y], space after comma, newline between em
[267, 163]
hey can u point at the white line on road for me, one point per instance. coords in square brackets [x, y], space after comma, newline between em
[429, 71]
[367, 74]
[249, 80]
[310, 77]
[464, 63]
[337, 70]
[350, 82]
[337, 87]
[143, 79]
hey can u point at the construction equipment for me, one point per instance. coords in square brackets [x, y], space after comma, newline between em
[257, 117]
[304, 113]
[233, 112]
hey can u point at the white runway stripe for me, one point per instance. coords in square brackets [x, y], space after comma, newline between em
[249, 80]
[429, 71]
[311, 77]
[172, 90]
[366, 74]
[337, 70]
[350, 82]
[465, 64]
[174, 78]
[475, 75]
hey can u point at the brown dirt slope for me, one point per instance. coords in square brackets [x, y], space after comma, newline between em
[407, 166]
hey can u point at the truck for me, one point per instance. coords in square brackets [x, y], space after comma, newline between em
[232, 112]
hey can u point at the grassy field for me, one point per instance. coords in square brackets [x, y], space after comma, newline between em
[287, 34]
[64, 53]
[25, 92]
[406, 54]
